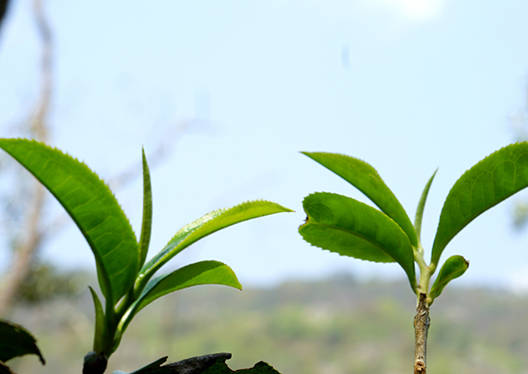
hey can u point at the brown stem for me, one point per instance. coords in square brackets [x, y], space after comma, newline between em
[421, 327]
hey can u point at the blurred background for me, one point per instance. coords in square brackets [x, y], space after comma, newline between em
[223, 95]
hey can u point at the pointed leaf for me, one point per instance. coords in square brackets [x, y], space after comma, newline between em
[199, 273]
[207, 224]
[366, 179]
[486, 184]
[146, 225]
[346, 226]
[92, 206]
[453, 268]
[16, 341]
[100, 333]
[421, 206]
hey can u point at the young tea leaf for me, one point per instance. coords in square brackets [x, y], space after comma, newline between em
[421, 206]
[199, 273]
[146, 225]
[453, 268]
[346, 226]
[92, 206]
[486, 184]
[207, 224]
[100, 324]
[366, 179]
[16, 341]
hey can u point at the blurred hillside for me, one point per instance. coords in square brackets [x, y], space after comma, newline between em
[332, 326]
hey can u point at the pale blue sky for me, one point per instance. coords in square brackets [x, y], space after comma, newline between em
[406, 85]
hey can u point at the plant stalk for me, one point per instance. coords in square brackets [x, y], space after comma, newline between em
[421, 327]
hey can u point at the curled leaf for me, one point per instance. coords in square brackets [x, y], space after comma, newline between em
[453, 268]
[366, 179]
[346, 226]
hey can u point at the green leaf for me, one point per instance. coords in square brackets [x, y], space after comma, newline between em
[421, 206]
[207, 224]
[346, 226]
[366, 179]
[92, 206]
[199, 273]
[16, 341]
[453, 268]
[100, 333]
[146, 225]
[486, 184]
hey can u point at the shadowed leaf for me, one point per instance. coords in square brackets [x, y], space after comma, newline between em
[16, 341]
[366, 179]
[346, 226]
[146, 225]
[486, 184]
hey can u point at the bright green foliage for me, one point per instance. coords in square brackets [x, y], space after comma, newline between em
[117, 253]
[486, 184]
[205, 225]
[348, 227]
[16, 341]
[453, 268]
[351, 228]
[101, 330]
[366, 179]
[199, 273]
[421, 205]
[92, 206]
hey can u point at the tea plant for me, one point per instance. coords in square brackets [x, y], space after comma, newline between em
[351, 228]
[124, 276]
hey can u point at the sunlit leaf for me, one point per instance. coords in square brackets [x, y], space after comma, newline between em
[421, 205]
[207, 224]
[486, 184]
[91, 205]
[16, 341]
[346, 226]
[366, 179]
[453, 268]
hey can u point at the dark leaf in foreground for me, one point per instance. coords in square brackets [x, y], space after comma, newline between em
[16, 341]
[207, 364]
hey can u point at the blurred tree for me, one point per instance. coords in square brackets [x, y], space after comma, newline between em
[28, 240]
[22, 215]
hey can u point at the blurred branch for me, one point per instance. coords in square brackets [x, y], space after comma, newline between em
[28, 246]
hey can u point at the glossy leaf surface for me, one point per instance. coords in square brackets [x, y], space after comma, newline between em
[346, 226]
[207, 224]
[16, 341]
[421, 205]
[366, 179]
[486, 184]
[453, 268]
[92, 206]
[146, 225]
